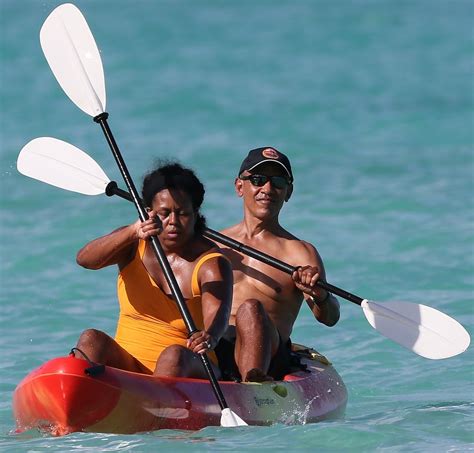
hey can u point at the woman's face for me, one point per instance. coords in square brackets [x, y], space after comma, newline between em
[175, 209]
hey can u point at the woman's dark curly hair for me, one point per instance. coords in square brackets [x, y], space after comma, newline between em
[172, 175]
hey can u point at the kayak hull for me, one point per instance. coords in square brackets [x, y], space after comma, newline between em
[60, 398]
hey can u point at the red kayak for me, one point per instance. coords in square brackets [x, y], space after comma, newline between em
[59, 397]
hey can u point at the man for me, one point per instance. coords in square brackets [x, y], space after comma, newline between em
[266, 301]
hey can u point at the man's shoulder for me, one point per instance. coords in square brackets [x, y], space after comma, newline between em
[296, 250]
[300, 245]
[288, 247]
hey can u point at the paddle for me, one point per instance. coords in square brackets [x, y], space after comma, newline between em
[72, 54]
[422, 329]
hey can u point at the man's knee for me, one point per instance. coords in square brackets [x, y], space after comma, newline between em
[250, 311]
[253, 322]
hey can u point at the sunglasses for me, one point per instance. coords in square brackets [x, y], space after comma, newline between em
[279, 182]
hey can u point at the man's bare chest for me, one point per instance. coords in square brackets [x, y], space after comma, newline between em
[252, 276]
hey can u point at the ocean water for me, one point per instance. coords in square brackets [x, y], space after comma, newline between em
[372, 100]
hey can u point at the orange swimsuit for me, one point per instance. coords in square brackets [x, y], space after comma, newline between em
[149, 320]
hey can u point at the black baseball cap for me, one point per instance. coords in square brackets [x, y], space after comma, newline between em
[258, 156]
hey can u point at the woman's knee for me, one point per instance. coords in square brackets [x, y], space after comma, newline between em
[93, 337]
[95, 345]
[174, 355]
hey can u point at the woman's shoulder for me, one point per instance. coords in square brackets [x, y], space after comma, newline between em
[204, 247]
[210, 265]
[210, 255]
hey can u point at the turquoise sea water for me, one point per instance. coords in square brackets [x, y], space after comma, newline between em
[373, 102]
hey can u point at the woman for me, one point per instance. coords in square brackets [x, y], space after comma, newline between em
[151, 336]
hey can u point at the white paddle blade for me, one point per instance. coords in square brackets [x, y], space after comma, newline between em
[74, 58]
[62, 165]
[230, 419]
[424, 330]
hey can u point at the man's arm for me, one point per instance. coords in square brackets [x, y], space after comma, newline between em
[323, 304]
[325, 311]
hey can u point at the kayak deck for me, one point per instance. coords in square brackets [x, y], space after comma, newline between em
[59, 398]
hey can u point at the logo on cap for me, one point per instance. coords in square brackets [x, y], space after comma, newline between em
[270, 153]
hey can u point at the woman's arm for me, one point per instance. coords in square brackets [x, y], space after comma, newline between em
[216, 281]
[116, 247]
[119, 246]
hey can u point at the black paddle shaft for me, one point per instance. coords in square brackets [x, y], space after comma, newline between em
[276, 263]
[157, 248]
[112, 189]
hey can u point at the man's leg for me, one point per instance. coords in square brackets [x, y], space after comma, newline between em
[101, 348]
[257, 341]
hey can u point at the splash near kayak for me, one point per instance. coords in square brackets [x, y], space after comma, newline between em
[60, 397]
